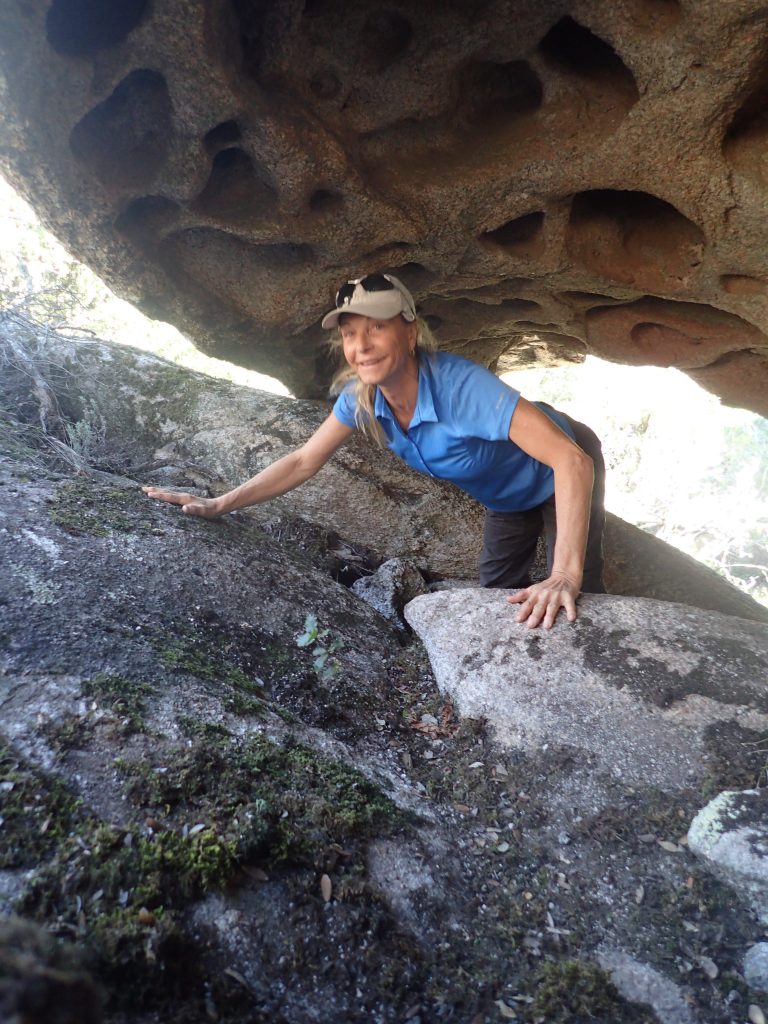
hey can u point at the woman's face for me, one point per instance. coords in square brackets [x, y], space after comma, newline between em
[379, 351]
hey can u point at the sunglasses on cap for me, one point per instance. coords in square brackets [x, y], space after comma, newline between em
[371, 283]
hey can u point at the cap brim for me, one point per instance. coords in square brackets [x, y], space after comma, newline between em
[381, 305]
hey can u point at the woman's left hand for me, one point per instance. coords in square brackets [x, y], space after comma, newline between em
[541, 602]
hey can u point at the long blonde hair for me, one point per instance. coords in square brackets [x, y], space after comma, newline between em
[365, 394]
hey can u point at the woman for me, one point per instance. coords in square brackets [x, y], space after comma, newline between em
[450, 418]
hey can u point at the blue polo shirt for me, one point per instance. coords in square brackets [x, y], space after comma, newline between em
[460, 432]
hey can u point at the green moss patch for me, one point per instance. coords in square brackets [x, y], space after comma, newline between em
[81, 506]
[37, 811]
[241, 665]
[125, 697]
[123, 891]
[573, 992]
[274, 804]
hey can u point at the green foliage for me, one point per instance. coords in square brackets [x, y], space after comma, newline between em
[82, 507]
[273, 803]
[126, 697]
[37, 812]
[573, 992]
[325, 646]
[86, 436]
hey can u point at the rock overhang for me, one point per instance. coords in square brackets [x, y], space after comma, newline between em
[549, 179]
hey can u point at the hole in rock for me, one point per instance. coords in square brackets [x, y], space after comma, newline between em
[741, 284]
[522, 236]
[633, 238]
[432, 321]
[415, 276]
[262, 24]
[745, 145]
[236, 189]
[578, 51]
[325, 85]
[590, 298]
[124, 140]
[324, 200]
[492, 92]
[385, 35]
[145, 218]
[223, 135]
[80, 28]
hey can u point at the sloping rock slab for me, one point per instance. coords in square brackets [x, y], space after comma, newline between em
[634, 683]
[157, 423]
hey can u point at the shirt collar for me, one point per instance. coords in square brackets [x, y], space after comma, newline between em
[425, 406]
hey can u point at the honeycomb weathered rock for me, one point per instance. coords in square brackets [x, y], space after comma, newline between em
[550, 178]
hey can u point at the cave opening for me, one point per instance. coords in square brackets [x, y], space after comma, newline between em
[80, 28]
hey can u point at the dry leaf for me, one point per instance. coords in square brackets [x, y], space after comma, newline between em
[462, 808]
[506, 1011]
[146, 916]
[432, 728]
[647, 837]
[665, 844]
[326, 888]
[755, 1014]
[237, 976]
[709, 967]
[639, 894]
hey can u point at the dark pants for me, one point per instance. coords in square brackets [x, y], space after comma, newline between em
[510, 538]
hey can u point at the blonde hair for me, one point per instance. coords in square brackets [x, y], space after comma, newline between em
[365, 394]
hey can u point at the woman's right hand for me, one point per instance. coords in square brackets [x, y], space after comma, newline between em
[206, 508]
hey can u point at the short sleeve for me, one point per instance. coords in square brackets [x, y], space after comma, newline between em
[344, 407]
[483, 403]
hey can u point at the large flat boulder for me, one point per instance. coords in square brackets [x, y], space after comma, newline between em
[637, 686]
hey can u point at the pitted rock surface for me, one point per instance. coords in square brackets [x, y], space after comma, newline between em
[636, 684]
[549, 178]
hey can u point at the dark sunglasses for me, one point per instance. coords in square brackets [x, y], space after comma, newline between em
[371, 283]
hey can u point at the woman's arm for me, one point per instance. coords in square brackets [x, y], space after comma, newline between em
[539, 437]
[278, 478]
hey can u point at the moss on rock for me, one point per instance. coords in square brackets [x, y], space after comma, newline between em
[81, 506]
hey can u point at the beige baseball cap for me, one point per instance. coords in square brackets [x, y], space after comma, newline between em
[377, 295]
